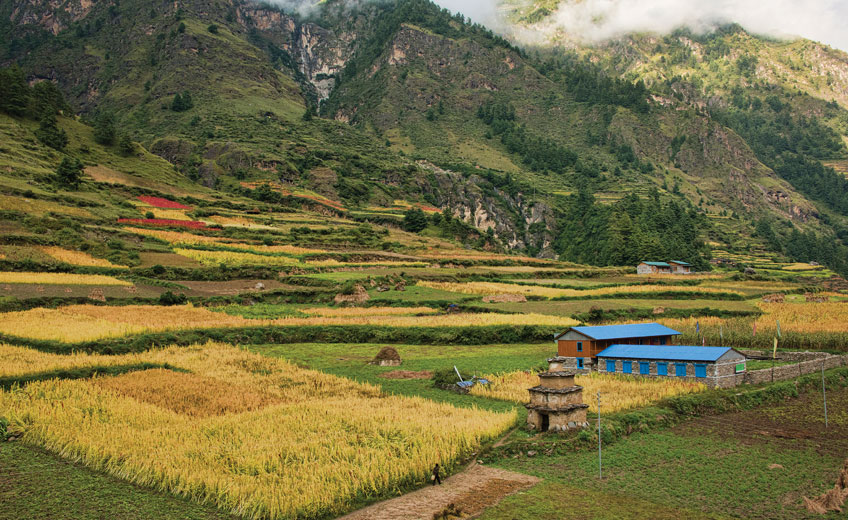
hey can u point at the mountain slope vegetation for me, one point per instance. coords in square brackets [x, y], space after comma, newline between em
[367, 104]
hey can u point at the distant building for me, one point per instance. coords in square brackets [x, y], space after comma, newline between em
[678, 267]
[582, 344]
[717, 367]
[653, 268]
[670, 267]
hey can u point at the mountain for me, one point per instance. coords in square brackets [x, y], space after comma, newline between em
[682, 145]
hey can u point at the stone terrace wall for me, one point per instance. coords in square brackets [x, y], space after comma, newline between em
[786, 356]
[792, 371]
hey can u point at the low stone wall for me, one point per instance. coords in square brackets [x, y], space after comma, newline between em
[786, 356]
[785, 372]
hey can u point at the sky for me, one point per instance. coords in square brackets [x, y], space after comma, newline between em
[598, 20]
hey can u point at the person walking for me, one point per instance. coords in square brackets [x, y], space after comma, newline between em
[435, 478]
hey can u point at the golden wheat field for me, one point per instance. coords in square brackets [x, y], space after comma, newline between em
[60, 279]
[368, 311]
[76, 323]
[176, 237]
[487, 288]
[618, 392]
[804, 317]
[235, 259]
[308, 444]
[77, 257]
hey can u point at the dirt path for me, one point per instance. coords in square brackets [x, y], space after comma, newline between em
[472, 490]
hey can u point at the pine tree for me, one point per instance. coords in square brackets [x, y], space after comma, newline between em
[69, 172]
[104, 129]
[126, 145]
[14, 91]
[51, 135]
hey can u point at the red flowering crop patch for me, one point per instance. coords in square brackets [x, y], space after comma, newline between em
[159, 202]
[193, 224]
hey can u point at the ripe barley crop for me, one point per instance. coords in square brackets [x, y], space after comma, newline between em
[235, 259]
[368, 311]
[175, 237]
[486, 288]
[618, 392]
[60, 279]
[76, 323]
[308, 444]
[77, 257]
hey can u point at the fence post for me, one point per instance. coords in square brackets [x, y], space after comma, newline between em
[600, 467]
[824, 396]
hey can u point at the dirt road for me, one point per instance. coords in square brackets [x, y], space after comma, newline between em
[472, 490]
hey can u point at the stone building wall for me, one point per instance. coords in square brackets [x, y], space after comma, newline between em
[555, 399]
[723, 375]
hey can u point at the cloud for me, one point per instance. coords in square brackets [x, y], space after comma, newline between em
[598, 20]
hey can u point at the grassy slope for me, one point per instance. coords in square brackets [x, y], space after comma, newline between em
[715, 466]
[38, 485]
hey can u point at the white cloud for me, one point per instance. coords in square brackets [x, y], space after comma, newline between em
[597, 20]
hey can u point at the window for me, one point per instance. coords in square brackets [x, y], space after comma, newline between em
[644, 368]
[610, 366]
[579, 346]
[662, 368]
[627, 367]
[663, 341]
[700, 370]
[580, 362]
[680, 369]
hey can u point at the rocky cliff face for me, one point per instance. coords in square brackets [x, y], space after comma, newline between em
[319, 53]
[514, 220]
[53, 16]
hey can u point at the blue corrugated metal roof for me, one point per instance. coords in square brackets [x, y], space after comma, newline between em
[636, 330]
[679, 262]
[669, 352]
[657, 264]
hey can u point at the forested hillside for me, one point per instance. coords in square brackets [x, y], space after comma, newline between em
[641, 148]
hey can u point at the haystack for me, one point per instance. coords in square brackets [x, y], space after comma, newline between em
[387, 357]
[359, 295]
[97, 295]
[504, 298]
[834, 499]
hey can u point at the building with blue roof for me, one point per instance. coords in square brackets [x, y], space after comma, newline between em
[582, 344]
[713, 366]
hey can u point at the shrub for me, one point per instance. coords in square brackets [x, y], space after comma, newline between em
[169, 298]
[444, 377]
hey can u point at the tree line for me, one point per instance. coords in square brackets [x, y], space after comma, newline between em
[630, 231]
[537, 153]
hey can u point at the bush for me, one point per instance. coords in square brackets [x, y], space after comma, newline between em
[169, 298]
[444, 377]
[414, 220]
[213, 29]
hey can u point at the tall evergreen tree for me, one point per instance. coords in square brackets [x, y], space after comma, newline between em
[69, 172]
[14, 91]
[104, 129]
[49, 134]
